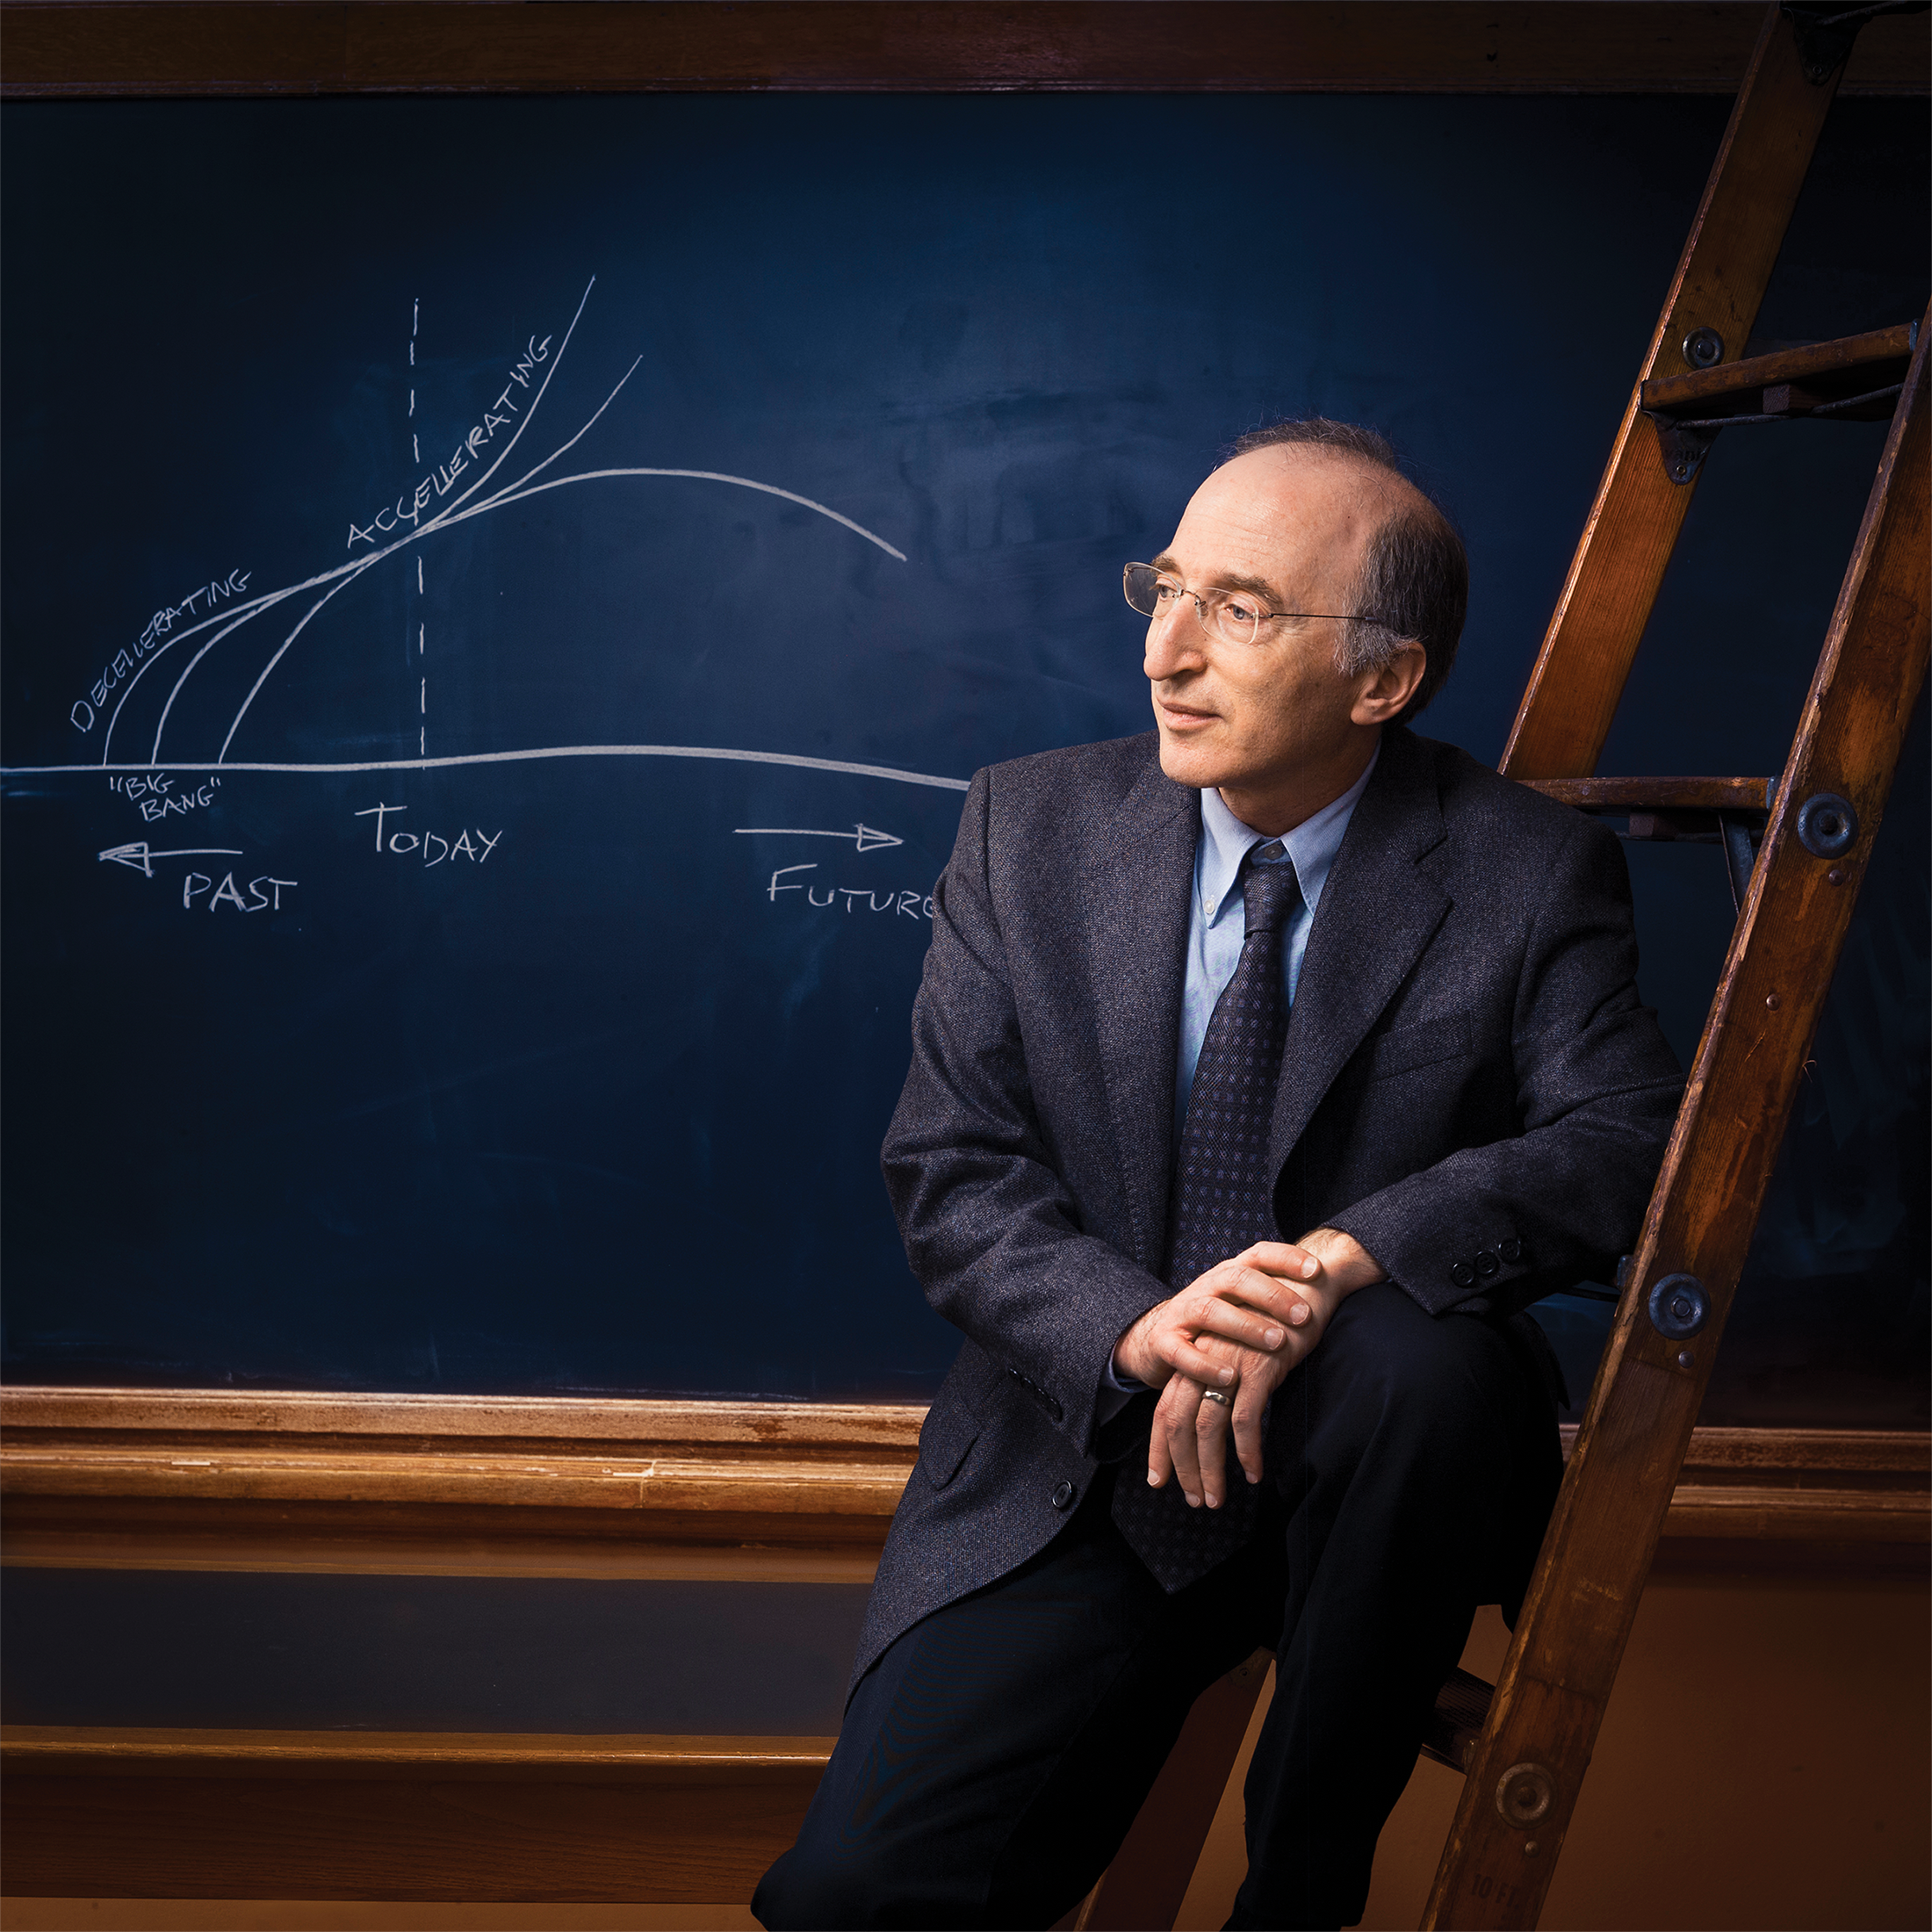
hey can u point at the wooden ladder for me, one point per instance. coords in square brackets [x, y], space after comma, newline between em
[1818, 821]
[1524, 1747]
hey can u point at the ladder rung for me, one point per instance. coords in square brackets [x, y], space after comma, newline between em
[1462, 1705]
[1657, 794]
[1799, 380]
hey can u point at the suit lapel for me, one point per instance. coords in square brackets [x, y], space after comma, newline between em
[1377, 912]
[1140, 889]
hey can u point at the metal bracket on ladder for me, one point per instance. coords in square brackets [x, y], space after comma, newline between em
[1738, 855]
[1855, 380]
[1825, 34]
[1683, 445]
[1730, 812]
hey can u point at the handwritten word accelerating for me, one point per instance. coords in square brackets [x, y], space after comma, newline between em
[433, 845]
[910, 904]
[408, 508]
[157, 797]
[225, 894]
[198, 601]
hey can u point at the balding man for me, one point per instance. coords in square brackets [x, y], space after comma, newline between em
[1264, 1072]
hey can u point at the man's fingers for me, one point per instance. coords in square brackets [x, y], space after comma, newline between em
[1160, 1447]
[1283, 1258]
[1210, 1441]
[1259, 1319]
[1247, 1431]
[1194, 1339]
[1174, 1418]
[1274, 1299]
[1241, 1290]
[1160, 1460]
[1181, 1355]
[1242, 1348]
[1265, 1288]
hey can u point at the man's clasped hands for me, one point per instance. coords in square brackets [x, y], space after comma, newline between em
[1219, 1349]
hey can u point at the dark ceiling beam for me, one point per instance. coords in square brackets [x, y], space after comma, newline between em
[111, 47]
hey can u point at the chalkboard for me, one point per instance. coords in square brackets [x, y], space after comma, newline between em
[504, 598]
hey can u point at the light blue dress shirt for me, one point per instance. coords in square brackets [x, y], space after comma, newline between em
[1216, 929]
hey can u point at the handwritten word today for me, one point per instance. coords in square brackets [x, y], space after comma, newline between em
[408, 508]
[403, 843]
[911, 904]
[157, 797]
[225, 894]
[208, 595]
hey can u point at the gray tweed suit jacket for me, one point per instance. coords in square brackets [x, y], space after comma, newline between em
[1470, 1088]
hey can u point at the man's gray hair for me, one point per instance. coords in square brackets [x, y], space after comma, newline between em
[1415, 578]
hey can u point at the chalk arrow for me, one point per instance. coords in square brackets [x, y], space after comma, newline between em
[141, 858]
[868, 839]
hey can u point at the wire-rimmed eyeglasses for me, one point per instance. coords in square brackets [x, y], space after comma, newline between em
[1234, 615]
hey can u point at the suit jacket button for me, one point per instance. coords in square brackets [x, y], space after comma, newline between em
[1511, 1250]
[1063, 1495]
[1486, 1265]
[1463, 1275]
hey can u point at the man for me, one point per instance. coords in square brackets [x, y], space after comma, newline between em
[1284, 970]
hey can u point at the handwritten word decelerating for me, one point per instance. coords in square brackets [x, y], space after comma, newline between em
[82, 717]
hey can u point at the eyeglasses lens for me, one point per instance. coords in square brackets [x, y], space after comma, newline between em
[1151, 595]
[1142, 584]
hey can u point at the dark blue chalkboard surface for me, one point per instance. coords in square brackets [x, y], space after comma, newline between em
[503, 598]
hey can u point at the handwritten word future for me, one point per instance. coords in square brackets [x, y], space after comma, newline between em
[408, 508]
[164, 621]
[911, 904]
[403, 843]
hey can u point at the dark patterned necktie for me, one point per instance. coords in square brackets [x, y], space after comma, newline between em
[1223, 1202]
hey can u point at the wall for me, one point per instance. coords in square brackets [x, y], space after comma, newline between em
[1765, 1763]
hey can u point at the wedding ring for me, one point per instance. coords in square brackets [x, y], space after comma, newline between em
[1220, 1395]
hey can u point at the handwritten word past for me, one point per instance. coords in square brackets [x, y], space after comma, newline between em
[403, 843]
[225, 894]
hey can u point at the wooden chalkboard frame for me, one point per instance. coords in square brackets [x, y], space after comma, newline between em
[605, 1486]
[116, 1472]
[102, 48]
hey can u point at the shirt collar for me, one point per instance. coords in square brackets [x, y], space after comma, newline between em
[1312, 845]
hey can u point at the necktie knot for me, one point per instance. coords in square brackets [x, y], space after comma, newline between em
[1270, 889]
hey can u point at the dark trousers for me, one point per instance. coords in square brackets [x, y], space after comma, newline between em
[992, 1759]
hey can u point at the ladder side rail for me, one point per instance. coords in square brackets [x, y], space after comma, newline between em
[1522, 1785]
[1632, 526]
[1147, 1881]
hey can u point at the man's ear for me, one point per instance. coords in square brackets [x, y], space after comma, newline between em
[1383, 694]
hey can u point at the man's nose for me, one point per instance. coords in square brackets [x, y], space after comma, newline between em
[1175, 640]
